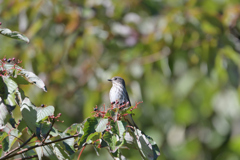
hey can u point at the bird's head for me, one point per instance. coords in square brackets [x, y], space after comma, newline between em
[117, 81]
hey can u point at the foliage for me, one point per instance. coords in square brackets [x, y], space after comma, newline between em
[181, 58]
[106, 129]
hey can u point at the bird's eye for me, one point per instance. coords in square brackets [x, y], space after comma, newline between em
[115, 78]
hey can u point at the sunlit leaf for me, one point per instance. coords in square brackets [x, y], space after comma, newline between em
[146, 145]
[44, 112]
[11, 88]
[33, 78]
[3, 114]
[13, 135]
[102, 124]
[7, 32]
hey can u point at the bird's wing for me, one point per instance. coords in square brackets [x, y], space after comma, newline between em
[128, 98]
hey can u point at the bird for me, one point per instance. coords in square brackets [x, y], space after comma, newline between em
[119, 93]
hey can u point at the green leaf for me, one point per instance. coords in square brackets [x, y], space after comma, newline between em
[146, 145]
[29, 152]
[113, 141]
[13, 135]
[102, 125]
[14, 70]
[22, 125]
[44, 150]
[121, 127]
[11, 85]
[68, 143]
[52, 151]
[92, 125]
[72, 129]
[60, 152]
[11, 89]
[92, 138]
[89, 127]
[3, 135]
[1, 150]
[44, 112]
[3, 87]
[5, 144]
[112, 113]
[33, 79]
[32, 115]
[7, 32]
[45, 127]
[3, 114]
[29, 114]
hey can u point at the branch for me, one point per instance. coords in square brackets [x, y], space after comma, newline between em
[17, 148]
[37, 145]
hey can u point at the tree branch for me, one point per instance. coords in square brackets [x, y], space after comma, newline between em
[17, 148]
[37, 145]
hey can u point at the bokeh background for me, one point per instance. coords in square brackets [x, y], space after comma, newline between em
[181, 58]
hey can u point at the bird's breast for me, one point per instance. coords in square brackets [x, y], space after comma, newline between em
[118, 93]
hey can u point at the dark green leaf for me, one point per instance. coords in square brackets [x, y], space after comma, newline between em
[2, 136]
[29, 114]
[89, 127]
[113, 141]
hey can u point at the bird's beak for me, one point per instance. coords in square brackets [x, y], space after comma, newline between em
[109, 79]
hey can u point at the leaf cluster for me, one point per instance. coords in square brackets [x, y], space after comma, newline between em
[105, 129]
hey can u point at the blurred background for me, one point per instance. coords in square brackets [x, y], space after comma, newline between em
[181, 58]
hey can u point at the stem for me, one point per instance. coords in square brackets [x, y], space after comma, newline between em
[15, 149]
[37, 145]
[81, 153]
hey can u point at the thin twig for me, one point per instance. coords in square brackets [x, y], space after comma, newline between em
[17, 148]
[37, 145]
[81, 152]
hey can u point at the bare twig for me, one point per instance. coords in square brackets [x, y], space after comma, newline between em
[37, 145]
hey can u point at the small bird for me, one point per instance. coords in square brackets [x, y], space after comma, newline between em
[119, 93]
